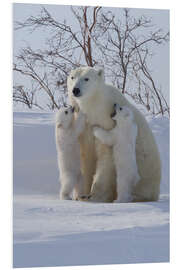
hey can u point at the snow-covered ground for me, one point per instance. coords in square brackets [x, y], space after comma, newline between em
[50, 232]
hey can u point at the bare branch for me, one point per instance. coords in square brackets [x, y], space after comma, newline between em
[102, 39]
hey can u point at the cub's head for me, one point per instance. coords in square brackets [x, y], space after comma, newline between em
[84, 82]
[121, 113]
[64, 117]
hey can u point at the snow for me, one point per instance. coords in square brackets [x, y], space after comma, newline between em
[50, 232]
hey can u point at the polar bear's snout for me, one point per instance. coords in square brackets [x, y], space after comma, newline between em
[76, 92]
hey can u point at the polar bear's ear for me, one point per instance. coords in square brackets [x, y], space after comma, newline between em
[101, 73]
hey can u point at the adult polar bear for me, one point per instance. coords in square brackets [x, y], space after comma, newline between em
[88, 92]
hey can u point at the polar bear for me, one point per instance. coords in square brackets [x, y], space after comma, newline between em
[88, 92]
[67, 131]
[123, 140]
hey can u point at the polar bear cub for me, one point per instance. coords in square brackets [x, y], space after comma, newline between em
[123, 140]
[68, 129]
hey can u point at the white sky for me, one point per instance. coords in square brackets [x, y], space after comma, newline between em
[160, 18]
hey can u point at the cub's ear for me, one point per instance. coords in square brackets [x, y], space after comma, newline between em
[101, 73]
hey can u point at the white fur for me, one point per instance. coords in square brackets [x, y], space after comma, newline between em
[123, 140]
[68, 130]
[96, 101]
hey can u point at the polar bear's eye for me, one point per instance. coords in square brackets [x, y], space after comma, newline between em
[120, 108]
[86, 79]
[66, 112]
[72, 78]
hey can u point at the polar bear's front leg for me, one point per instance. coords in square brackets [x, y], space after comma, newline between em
[67, 185]
[104, 183]
[88, 158]
[79, 188]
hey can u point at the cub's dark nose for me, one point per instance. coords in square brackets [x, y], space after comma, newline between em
[76, 91]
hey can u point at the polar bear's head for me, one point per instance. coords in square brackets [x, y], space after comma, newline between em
[84, 82]
[122, 113]
[64, 117]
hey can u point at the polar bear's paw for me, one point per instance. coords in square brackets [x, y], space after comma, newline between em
[65, 197]
[84, 197]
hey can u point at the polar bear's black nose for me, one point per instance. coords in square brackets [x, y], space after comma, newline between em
[76, 92]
